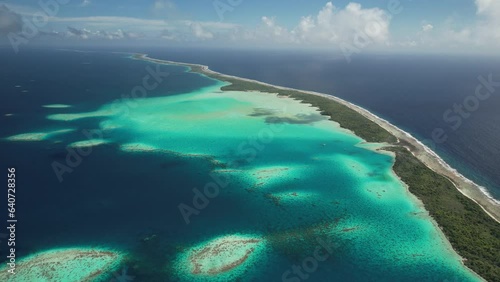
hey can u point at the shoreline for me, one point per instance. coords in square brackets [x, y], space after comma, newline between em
[432, 160]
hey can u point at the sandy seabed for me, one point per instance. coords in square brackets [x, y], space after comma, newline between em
[432, 160]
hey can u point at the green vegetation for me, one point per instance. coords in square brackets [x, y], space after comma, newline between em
[473, 234]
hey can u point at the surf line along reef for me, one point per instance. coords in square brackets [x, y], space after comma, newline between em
[468, 218]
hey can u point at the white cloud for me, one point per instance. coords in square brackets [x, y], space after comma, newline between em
[276, 30]
[199, 32]
[427, 27]
[334, 26]
[483, 34]
[110, 20]
[85, 33]
[329, 27]
[487, 6]
[81, 33]
[143, 25]
[488, 27]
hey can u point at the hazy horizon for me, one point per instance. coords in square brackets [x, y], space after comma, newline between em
[346, 27]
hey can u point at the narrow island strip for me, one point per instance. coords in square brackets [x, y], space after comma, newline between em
[463, 210]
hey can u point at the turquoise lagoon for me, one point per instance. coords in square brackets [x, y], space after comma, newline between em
[278, 178]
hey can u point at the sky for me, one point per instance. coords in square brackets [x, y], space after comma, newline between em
[463, 26]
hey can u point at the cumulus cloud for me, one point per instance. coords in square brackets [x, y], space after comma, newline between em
[427, 27]
[100, 34]
[81, 33]
[269, 31]
[330, 25]
[487, 6]
[488, 27]
[335, 26]
[9, 21]
[112, 22]
[484, 33]
[199, 32]
[155, 29]
[276, 30]
[342, 25]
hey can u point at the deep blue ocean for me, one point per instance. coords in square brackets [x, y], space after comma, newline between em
[112, 198]
[123, 200]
